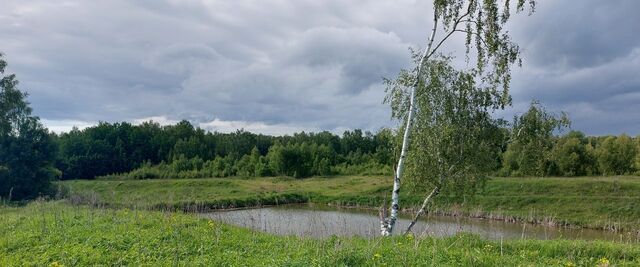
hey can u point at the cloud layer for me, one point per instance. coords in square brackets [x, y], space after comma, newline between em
[282, 66]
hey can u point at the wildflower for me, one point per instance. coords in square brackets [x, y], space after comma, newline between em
[410, 236]
[488, 247]
[56, 264]
[377, 256]
[570, 264]
[603, 262]
[211, 224]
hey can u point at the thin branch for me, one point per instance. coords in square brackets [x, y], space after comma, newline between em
[473, 33]
[469, 21]
[455, 26]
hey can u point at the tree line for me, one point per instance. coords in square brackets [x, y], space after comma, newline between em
[149, 150]
[537, 143]
[533, 149]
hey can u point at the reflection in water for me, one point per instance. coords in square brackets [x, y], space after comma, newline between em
[317, 221]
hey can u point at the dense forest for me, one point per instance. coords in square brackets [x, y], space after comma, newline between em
[532, 146]
[182, 150]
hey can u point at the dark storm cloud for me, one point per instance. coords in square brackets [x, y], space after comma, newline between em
[280, 66]
[583, 58]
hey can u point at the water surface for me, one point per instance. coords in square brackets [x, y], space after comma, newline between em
[322, 221]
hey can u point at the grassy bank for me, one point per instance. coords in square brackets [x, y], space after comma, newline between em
[596, 202]
[46, 233]
[224, 192]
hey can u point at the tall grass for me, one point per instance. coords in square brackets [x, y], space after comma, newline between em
[49, 233]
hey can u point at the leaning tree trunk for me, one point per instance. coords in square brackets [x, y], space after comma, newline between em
[387, 224]
[426, 201]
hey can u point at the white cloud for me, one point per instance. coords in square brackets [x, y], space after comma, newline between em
[62, 126]
[218, 125]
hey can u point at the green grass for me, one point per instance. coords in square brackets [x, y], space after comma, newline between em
[596, 202]
[46, 233]
[220, 192]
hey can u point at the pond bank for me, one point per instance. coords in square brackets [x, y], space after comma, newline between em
[608, 203]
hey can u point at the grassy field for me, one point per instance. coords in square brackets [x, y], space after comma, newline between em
[596, 202]
[58, 234]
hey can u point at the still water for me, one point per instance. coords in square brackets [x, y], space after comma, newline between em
[322, 221]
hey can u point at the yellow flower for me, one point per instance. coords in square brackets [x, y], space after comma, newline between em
[570, 264]
[604, 262]
[211, 224]
[377, 256]
[410, 236]
[56, 264]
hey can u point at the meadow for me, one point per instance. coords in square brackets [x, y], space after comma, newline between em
[55, 233]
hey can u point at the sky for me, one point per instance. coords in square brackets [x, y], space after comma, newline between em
[278, 67]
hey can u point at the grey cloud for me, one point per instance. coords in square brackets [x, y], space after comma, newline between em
[363, 55]
[582, 34]
[297, 64]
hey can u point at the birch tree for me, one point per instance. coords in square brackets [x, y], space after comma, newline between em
[490, 52]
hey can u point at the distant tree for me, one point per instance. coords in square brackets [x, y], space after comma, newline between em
[481, 24]
[573, 155]
[532, 139]
[27, 151]
[192, 147]
[384, 146]
[616, 155]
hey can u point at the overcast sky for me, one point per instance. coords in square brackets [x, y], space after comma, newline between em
[281, 66]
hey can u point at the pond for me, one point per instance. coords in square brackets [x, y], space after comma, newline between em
[323, 221]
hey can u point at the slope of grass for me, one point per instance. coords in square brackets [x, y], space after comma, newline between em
[597, 202]
[219, 192]
[54, 234]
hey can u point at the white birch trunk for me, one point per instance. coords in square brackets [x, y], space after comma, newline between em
[386, 225]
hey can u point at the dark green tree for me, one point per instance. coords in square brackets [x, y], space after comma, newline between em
[573, 155]
[27, 150]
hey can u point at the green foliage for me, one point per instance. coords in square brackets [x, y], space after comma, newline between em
[27, 151]
[534, 150]
[574, 156]
[531, 143]
[455, 142]
[124, 148]
[482, 22]
[300, 160]
[616, 155]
